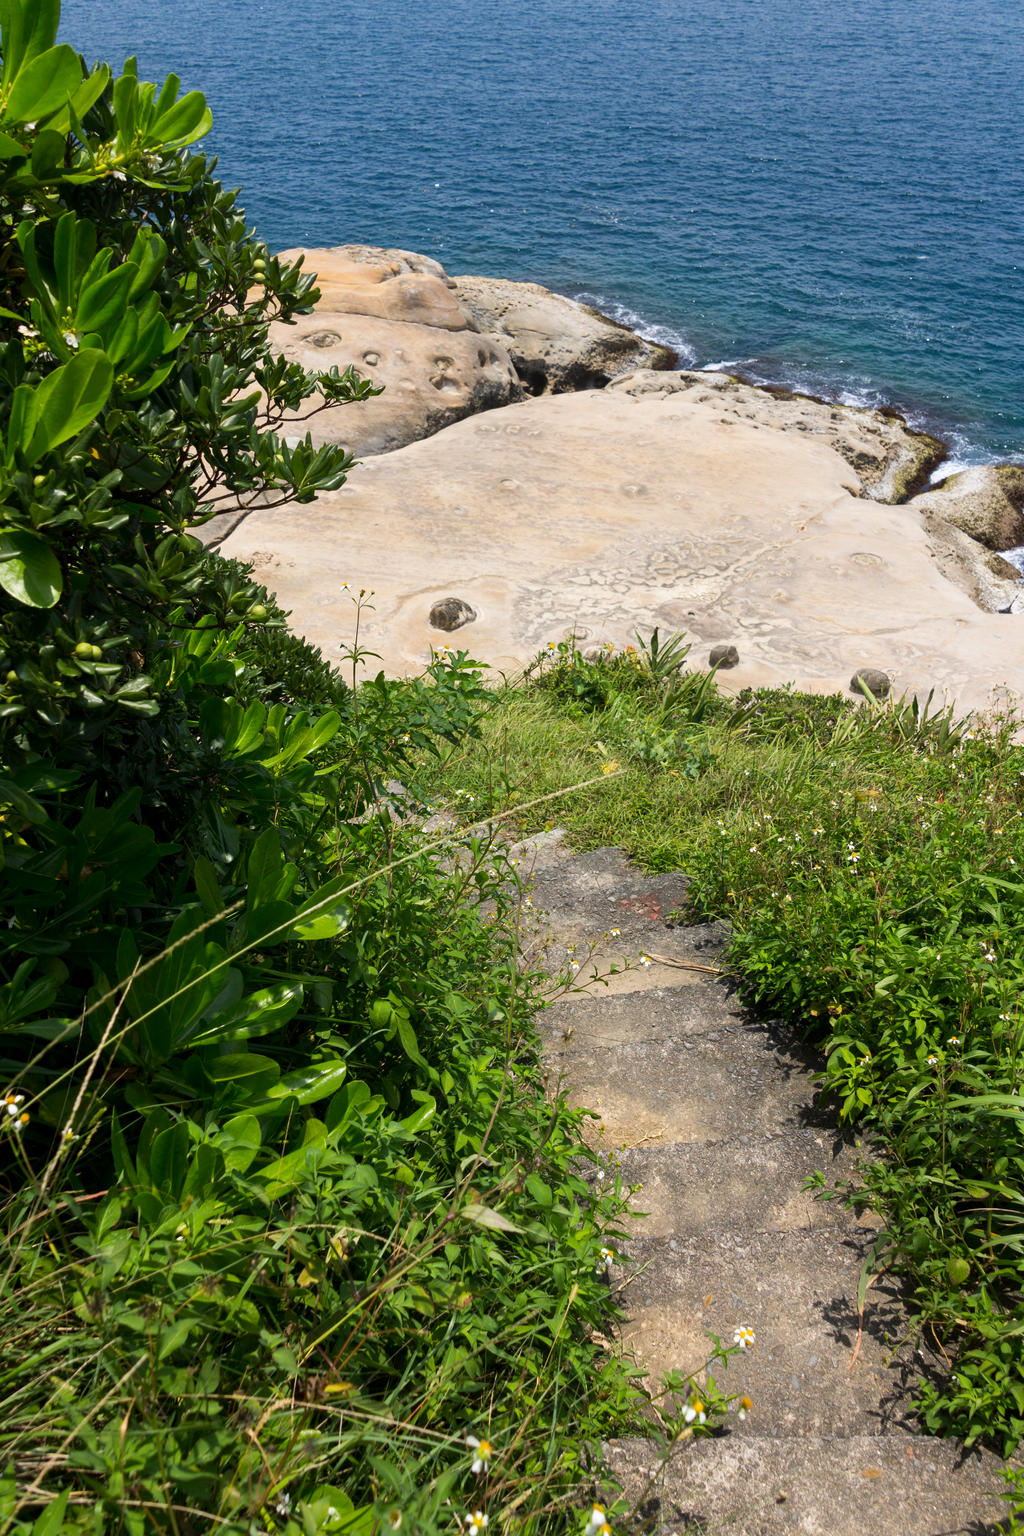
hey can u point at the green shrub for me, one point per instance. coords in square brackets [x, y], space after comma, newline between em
[286, 1210]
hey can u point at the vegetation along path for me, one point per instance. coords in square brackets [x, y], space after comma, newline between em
[711, 1115]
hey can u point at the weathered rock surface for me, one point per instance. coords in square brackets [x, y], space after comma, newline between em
[713, 1118]
[986, 502]
[555, 344]
[666, 500]
[724, 656]
[888, 459]
[988, 580]
[443, 348]
[391, 315]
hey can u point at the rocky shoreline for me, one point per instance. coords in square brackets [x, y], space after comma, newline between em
[557, 474]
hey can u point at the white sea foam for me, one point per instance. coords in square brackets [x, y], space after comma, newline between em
[963, 453]
[662, 335]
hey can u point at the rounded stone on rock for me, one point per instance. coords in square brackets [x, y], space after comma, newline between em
[878, 684]
[724, 656]
[451, 613]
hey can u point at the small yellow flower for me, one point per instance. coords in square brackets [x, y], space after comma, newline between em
[695, 1412]
[744, 1407]
[476, 1522]
[610, 767]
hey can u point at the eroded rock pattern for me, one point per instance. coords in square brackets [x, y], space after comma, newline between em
[601, 513]
[556, 345]
[443, 348]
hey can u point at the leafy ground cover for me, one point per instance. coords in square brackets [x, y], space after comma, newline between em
[869, 862]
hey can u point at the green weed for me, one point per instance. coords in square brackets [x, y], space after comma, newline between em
[868, 860]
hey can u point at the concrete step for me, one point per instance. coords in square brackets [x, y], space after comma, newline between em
[697, 1191]
[594, 912]
[669, 1015]
[806, 1373]
[701, 1082]
[714, 1117]
[744, 1484]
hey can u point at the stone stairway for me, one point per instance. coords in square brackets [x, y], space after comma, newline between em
[713, 1114]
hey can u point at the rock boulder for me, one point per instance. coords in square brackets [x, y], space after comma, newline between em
[985, 502]
[443, 348]
[557, 345]
[393, 317]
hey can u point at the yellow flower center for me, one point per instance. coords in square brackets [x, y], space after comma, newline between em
[483, 1450]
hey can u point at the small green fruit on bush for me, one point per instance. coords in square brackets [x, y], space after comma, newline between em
[257, 613]
[959, 1271]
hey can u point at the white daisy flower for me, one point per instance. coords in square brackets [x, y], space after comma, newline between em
[482, 1452]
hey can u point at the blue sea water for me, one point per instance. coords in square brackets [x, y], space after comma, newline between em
[824, 193]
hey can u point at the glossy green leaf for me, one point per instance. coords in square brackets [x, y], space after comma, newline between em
[239, 1141]
[44, 85]
[241, 1066]
[258, 1014]
[325, 925]
[188, 120]
[29, 570]
[29, 28]
[80, 101]
[104, 301]
[168, 1159]
[307, 1084]
[67, 400]
[423, 1114]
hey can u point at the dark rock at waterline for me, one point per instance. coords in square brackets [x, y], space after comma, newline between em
[451, 613]
[986, 502]
[724, 656]
[879, 684]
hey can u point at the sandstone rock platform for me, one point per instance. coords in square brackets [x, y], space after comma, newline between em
[685, 501]
[443, 348]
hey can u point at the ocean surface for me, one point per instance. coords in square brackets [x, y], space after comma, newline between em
[823, 193]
